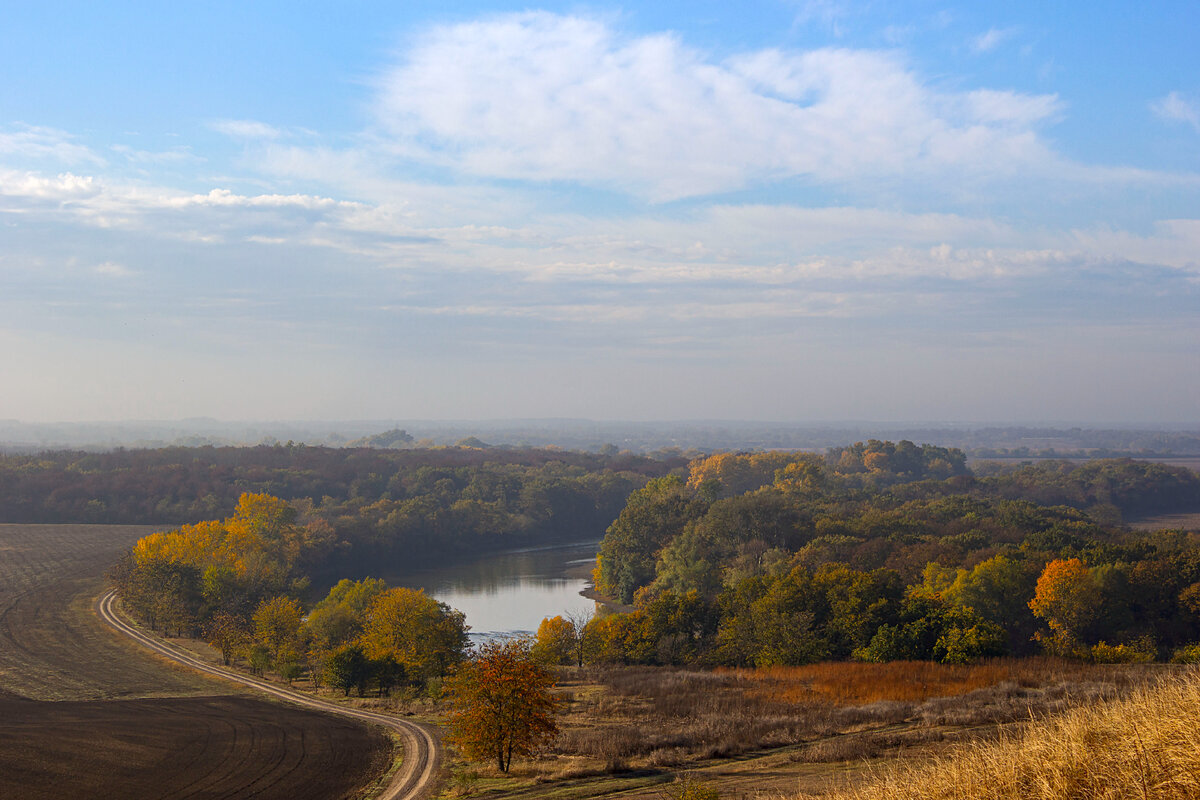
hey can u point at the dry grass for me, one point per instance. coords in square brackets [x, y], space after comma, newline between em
[751, 734]
[1144, 746]
[646, 717]
[849, 683]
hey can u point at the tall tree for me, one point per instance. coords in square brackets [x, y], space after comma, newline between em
[1068, 598]
[425, 636]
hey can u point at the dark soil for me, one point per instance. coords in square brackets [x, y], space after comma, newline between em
[126, 724]
[182, 747]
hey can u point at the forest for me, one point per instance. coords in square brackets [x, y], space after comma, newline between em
[396, 506]
[875, 551]
[888, 551]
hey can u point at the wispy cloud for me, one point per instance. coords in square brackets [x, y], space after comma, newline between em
[245, 129]
[991, 39]
[34, 142]
[111, 269]
[1177, 108]
[828, 13]
[151, 157]
[544, 97]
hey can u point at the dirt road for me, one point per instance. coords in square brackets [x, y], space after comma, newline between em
[422, 752]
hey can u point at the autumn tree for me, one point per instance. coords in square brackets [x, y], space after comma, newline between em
[424, 636]
[227, 632]
[501, 704]
[339, 617]
[579, 624]
[1068, 598]
[555, 641]
[277, 627]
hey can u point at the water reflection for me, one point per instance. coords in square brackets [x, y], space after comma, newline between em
[511, 592]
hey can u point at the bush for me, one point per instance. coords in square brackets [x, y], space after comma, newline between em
[1188, 654]
[1139, 653]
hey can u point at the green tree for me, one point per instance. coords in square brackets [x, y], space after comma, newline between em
[654, 515]
[346, 668]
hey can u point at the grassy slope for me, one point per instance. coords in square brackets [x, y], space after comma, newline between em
[1144, 746]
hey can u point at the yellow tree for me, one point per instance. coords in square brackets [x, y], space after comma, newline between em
[277, 626]
[425, 636]
[502, 705]
[555, 641]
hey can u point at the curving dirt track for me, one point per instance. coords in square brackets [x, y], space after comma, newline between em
[413, 780]
[127, 724]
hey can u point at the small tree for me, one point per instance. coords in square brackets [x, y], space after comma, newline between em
[502, 704]
[227, 632]
[555, 641]
[579, 622]
[348, 668]
[277, 624]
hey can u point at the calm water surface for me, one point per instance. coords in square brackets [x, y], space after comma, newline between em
[511, 592]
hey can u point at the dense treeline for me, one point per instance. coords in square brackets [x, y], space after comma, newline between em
[380, 504]
[885, 551]
[1104, 486]
[239, 582]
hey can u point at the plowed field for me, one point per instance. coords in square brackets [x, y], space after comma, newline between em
[181, 747]
[85, 714]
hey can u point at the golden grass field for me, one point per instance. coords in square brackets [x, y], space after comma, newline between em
[1144, 746]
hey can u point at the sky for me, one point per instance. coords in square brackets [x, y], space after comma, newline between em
[792, 210]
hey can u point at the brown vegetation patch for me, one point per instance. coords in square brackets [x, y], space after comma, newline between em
[195, 746]
[850, 683]
[763, 733]
[1177, 522]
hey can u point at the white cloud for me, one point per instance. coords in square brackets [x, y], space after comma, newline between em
[29, 141]
[986, 42]
[1177, 108]
[245, 129]
[543, 97]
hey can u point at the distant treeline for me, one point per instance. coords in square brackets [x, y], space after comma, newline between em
[885, 551]
[384, 507]
[878, 550]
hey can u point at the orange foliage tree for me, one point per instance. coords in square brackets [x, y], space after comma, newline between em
[1068, 598]
[502, 704]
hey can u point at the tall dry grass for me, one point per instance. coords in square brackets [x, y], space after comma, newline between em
[1144, 746]
[850, 683]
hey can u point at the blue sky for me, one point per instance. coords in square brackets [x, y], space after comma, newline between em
[799, 211]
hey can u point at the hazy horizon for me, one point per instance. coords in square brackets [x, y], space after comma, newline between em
[806, 210]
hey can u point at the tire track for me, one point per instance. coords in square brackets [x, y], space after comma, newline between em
[422, 752]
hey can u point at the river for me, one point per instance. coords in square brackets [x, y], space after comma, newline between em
[511, 592]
